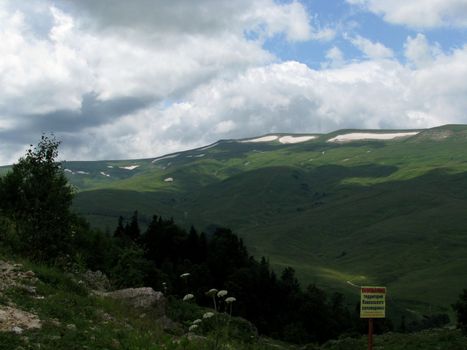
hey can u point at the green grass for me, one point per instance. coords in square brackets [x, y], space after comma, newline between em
[391, 211]
[426, 340]
[72, 318]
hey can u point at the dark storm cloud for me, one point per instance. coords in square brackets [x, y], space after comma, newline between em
[200, 16]
[92, 113]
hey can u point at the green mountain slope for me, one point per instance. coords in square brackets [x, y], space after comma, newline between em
[391, 212]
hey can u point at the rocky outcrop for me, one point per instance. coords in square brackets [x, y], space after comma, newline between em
[96, 280]
[16, 320]
[11, 275]
[13, 319]
[144, 298]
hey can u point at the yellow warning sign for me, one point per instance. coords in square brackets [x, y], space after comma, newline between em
[373, 302]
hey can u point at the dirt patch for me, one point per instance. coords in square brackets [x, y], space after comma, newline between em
[16, 320]
[13, 319]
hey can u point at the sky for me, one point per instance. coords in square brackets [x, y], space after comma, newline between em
[119, 79]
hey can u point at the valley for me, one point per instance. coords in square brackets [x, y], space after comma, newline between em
[350, 207]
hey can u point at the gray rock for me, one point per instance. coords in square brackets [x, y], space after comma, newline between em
[96, 280]
[29, 274]
[17, 330]
[29, 289]
[144, 298]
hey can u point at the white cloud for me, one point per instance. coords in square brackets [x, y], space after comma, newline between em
[290, 19]
[137, 79]
[335, 58]
[291, 97]
[420, 52]
[325, 34]
[56, 51]
[224, 126]
[371, 49]
[419, 13]
[39, 75]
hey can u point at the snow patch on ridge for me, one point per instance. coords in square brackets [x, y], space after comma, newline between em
[370, 136]
[130, 167]
[104, 174]
[208, 147]
[165, 157]
[295, 139]
[169, 179]
[268, 138]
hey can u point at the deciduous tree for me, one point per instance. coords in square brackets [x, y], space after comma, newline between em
[36, 196]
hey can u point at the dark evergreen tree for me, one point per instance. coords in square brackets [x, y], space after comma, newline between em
[191, 246]
[132, 230]
[120, 230]
[202, 247]
[226, 253]
[460, 307]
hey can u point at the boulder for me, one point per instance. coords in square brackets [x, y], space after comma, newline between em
[16, 320]
[144, 298]
[96, 280]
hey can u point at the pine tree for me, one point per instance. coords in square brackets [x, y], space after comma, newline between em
[460, 307]
[132, 230]
[120, 230]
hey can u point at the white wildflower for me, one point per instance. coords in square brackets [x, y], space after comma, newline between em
[208, 315]
[211, 292]
[230, 300]
[185, 275]
[192, 327]
[222, 293]
[197, 321]
[188, 297]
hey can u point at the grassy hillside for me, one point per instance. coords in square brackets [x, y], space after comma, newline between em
[45, 308]
[389, 212]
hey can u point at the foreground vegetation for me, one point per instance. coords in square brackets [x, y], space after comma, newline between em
[73, 318]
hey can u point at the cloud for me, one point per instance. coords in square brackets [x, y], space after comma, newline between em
[335, 58]
[419, 13]
[419, 52]
[206, 17]
[371, 49]
[47, 68]
[291, 97]
[121, 79]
